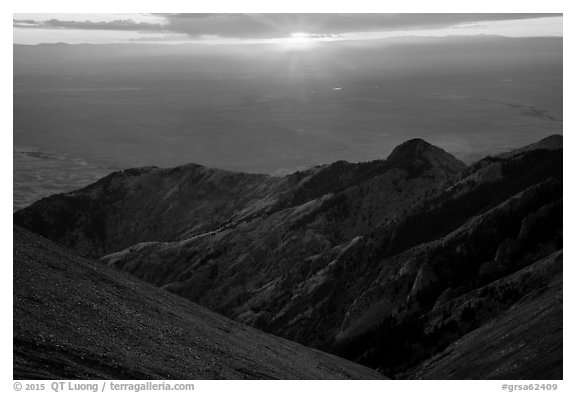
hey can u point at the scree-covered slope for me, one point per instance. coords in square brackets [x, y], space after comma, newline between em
[75, 318]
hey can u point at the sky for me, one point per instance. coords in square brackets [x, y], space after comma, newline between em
[283, 28]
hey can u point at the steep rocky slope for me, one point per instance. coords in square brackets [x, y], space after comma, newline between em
[75, 318]
[371, 261]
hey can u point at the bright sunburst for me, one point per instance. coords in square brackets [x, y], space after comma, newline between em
[299, 41]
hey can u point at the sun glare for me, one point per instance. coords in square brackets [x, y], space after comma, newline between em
[299, 41]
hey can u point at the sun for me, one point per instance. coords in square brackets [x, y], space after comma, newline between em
[300, 37]
[299, 41]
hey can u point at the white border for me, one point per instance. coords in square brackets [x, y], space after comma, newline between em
[302, 6]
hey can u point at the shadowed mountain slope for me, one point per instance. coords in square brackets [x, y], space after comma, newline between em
[371, 261]
[75, 318]
[525, 342]
[153, 204]
[145, 204]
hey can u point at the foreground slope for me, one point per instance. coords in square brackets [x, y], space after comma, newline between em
[75, 318]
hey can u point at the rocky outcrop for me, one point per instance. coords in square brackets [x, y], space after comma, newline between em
[420, 154]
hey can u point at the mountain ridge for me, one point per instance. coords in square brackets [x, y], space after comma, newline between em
[235, 197]
[353, 258]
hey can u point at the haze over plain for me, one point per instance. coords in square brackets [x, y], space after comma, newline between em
[275, 94]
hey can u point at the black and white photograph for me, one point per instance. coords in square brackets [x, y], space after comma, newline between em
[287, 196]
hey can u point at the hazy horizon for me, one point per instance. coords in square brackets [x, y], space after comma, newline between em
[283, 29]
[256, 100]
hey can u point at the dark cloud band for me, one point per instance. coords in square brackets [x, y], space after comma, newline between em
[121, 25]
[279, 25]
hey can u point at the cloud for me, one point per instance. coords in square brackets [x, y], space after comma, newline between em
[277, 25]
[119, 25]
[282, 25]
